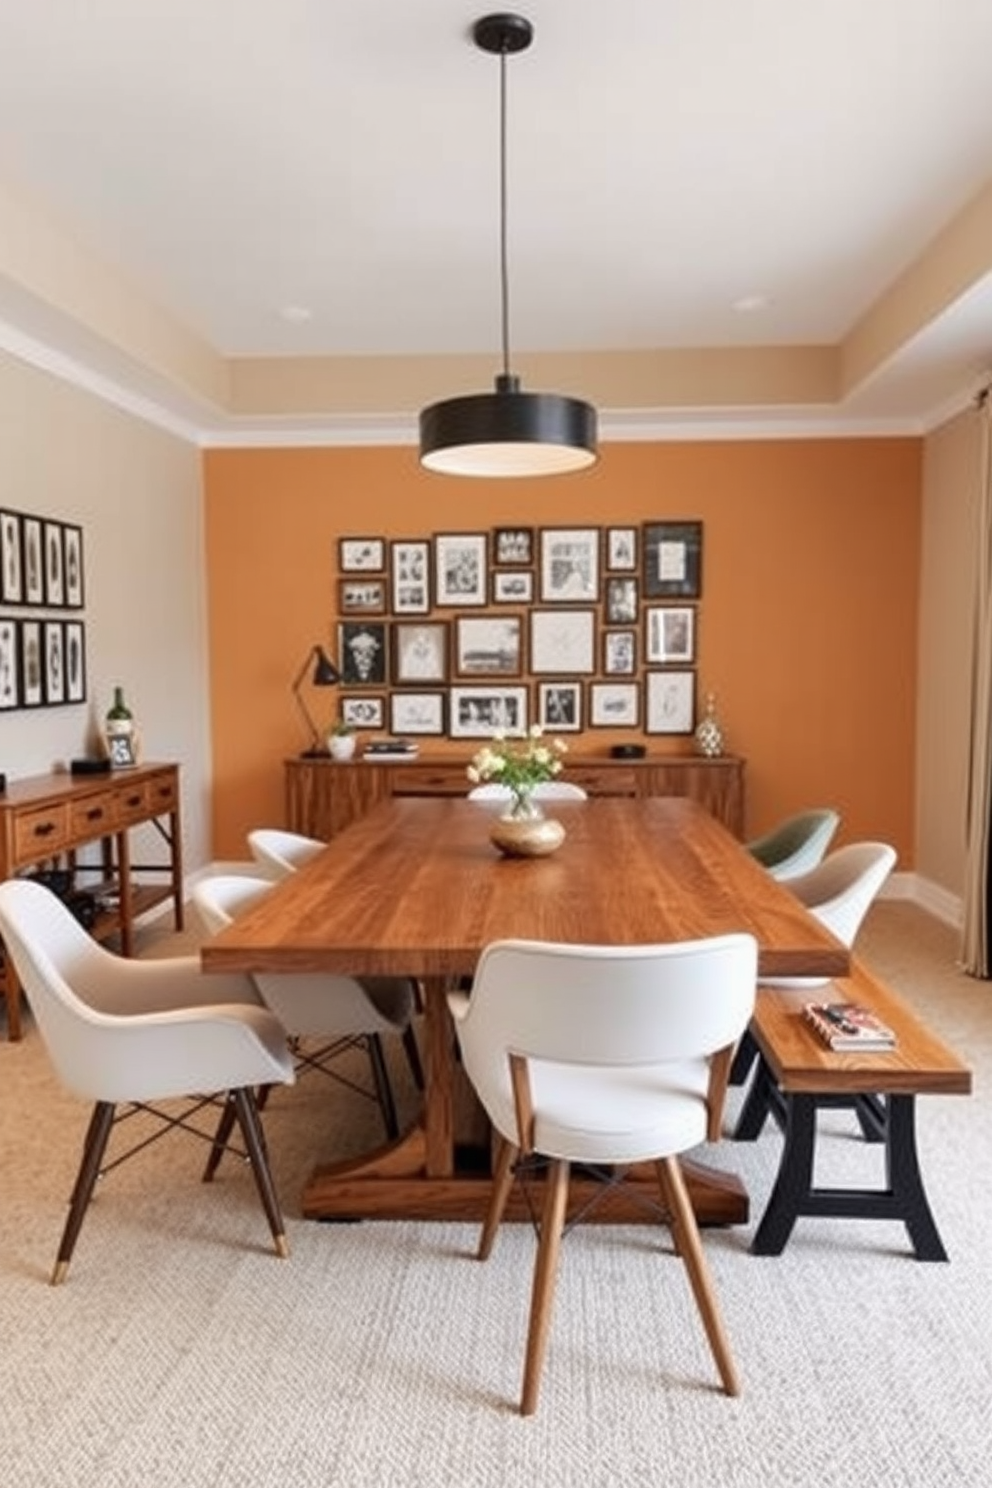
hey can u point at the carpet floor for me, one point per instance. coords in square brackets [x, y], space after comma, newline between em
[180, 1353]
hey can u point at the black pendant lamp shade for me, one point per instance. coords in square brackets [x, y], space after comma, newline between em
[507, 432]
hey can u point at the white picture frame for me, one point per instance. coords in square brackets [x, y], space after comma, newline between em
[410, 564]
[569, 565]
[671, 702]
[460, 570]
[416, 713]
[481, 712]
[614, 704]
[562, 642]
[670, 634]
[559, 707]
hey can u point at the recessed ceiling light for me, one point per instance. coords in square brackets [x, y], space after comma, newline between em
[296, 314]
[747, 304]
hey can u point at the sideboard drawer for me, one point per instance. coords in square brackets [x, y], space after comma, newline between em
[163, 792]
[38, 834]
[131, 803]
[91, 817]
[435, 780]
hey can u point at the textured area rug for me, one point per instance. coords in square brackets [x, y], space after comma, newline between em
[181, 1352]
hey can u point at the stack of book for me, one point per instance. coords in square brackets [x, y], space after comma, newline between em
[391, 749]
[848, 1025]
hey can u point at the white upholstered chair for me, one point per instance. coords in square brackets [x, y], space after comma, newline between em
[280, 853]
[123, 1033]
[324, 1015]
[547, 790]
[604, 1055]
[797, 844]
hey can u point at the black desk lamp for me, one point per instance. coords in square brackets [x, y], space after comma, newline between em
[324, 674]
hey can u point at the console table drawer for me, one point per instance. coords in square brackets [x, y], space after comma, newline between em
[131, 803]
[91, 817]
[163, 793]
[38, 834]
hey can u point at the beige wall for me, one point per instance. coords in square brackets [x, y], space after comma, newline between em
[135, 492]
[951, 487]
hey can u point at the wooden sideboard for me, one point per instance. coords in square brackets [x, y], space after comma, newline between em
[45, 819]
[323, 796]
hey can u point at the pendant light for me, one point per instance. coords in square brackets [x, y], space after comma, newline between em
[507, 432]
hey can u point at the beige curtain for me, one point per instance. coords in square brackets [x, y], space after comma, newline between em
[975, 935]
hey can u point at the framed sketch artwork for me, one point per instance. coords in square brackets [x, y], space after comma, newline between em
[32, 674]
[9, 692]
[54, 570]
[34, 563]
[362, 649]
[621, 549]
[670, 633]
[512, 587]
[619, 653]
[362, 596]
[513, 545]
[75, 662]
[613, 704]
[460, 568]
[362, 554]
[54, 653]
[559, 707]
[569, 565]
[410, 562]
[416, 713]
[490, 647]
[72, 552]
[673, 553]
[11, 566]
[621, 601]
[671, 702]
[481, 712]
[420, 651]
[562, 641]
[363, 712]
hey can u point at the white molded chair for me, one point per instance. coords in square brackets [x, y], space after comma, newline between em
[548, 790]
[128, 1032]
[281, 853]
[796, 845]
[604, 1055]
[339, 1011]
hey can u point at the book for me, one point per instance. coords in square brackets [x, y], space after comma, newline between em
[848, 1025]
[391, 749]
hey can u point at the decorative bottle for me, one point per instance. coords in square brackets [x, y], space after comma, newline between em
[709, 735]
[120, 732]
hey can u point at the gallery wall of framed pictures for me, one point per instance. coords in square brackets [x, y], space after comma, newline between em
[460, 634]
[42, 648]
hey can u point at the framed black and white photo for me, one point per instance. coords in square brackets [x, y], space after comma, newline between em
[569, 565]
[673, 560]
[410, 564]
[362, 554]
[11, 560]
[53, 642]
[621, 601]
[671, 702]
[614, 704]
[420, 651]
[489, 646]
[562, 641]
[362, 596]
[621, 549]
[481, 712]
[671, 633]
[416, 713]
[513, 545]
[512, 587]
[559, 706]
[34, 562]
[362, 653]
[619, 653]
[75, 662]
[363, 712]
[54, 566]
[72, 544]
[460, 568]
[32, 665]
[10, 696]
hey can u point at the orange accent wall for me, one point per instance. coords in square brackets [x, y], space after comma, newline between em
[806, 628]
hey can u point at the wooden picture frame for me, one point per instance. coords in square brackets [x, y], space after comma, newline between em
[362, 653]
[54, 564]
[10, 670]
[673, 560]
[489, 645]
[670, 634]
[410, 563]
[420, 651]
[460, 568]
[75, 660]
[72, 549]
[416, 713]
[559, 707]
[31, 664]
[53, 664]
[569, 565]
[670, 706]
[621, 549]
[614, 704]
[562, 642]
[363, 712]
[481, 712]
[621, 601]
[362, 554]
[11, 559]
[619, 653]
[513, 545]
[362, 596]
[513, 586]
[34, 561]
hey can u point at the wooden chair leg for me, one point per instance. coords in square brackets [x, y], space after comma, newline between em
[506, 1156]
[545, 1273]
[686, 1235]
[246, 1110]
[383, 1089]
[94, 1146]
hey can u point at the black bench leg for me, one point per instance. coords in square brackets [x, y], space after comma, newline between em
[763, 1099]
[905, 1180]
[793, 1183]
[744, 1056]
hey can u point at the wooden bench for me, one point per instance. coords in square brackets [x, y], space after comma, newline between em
[796, 1075]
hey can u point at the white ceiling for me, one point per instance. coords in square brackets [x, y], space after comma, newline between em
[668, 158]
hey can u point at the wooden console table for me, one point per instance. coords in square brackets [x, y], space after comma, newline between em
[44, 819]
[323, 796]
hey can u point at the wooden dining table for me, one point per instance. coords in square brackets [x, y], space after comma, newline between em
[416, 888]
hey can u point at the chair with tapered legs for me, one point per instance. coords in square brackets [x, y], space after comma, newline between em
[797, 844]
[280, 853]
[604, 1056]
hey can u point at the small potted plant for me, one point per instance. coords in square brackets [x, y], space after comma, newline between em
[341, 741]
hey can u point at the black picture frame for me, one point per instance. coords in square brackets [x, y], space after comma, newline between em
[53, 661]
[362, 653]
[34, 561]
[72, 554]
[11, 558]
[673, 560]
[75, 661]
[513, 546]
[54, 564]
[31, 662]
[10, 671]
